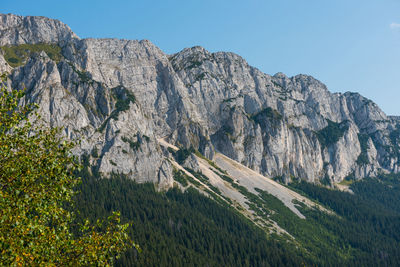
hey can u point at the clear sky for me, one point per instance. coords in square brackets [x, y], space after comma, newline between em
[350, 45]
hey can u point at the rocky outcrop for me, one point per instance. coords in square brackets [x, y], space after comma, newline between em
[119, 96]
[15, 30]
[288, 127]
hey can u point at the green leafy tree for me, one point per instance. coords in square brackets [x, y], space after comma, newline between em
[37, 183]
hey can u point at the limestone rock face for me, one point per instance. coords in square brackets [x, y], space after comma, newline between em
[16, 30]
[4, 67]
[118, 97]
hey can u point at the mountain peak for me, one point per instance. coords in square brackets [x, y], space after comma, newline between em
[15, 30]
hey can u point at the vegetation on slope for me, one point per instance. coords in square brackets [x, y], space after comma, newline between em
[363, 157]
[177, 228]
[332, 133]
[267, 114]
[182, 229]
[123, 100]
[368, 221]
[16, 55]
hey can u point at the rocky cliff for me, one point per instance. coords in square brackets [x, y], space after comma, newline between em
[119, 97]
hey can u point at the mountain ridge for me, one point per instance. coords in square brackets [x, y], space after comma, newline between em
[120, 96]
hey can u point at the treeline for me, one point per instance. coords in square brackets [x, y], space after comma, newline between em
[189, 229]
[181, 229]
[368, 221]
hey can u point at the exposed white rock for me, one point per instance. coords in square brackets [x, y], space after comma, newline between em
[119, 96]
[16, 30]
[4, 67]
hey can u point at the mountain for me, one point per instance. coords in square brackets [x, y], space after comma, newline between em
[120, 96]
[210, 121]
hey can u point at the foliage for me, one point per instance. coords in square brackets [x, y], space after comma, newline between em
[395, 136]
[123, 99]
[212, 164]
[177, 228]
[132, 144]
[394, 150]
[180, 177]
[214, 191]
[347, 181]
[363, 157]
[267, 114]
[16, 55]
[193, 61]
[83, 75]
[36, 182]
[313, 233]
[182, 154]
[95, 152]
[189, 229]
[384, 190]
[332, 133]
[367, 221]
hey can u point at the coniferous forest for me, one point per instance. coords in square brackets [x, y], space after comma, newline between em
[180, 229]
[176, 228]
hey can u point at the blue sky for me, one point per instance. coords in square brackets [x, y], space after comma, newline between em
[349, 45]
